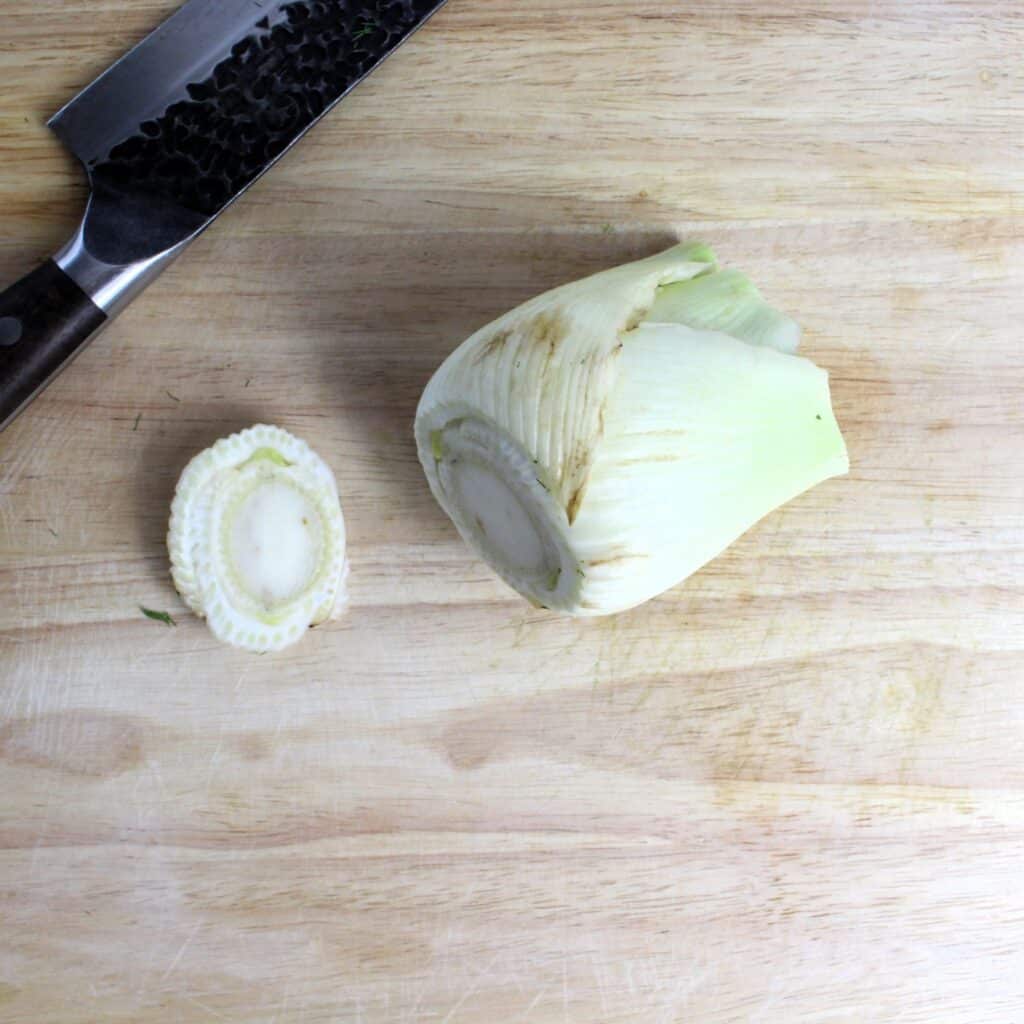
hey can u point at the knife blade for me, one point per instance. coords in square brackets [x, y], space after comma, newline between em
[170, 136]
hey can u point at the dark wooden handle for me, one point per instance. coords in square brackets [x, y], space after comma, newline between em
[45, 319]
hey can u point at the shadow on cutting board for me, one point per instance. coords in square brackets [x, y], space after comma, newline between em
[450, 286]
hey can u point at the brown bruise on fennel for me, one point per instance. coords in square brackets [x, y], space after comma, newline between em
[494, 345]
[547, 330]
[636, 318]
[579, 465]
[585, 461]
[543, 334]
[615, 559]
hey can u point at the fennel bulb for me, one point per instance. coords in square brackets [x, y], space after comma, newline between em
[603, 441]
[257, 539]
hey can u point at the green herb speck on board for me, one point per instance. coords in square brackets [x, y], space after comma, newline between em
[163, 617]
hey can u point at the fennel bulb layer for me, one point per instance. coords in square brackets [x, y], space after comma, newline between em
[603, 441]
[257, 539]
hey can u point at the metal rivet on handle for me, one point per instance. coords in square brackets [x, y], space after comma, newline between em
[10, 331]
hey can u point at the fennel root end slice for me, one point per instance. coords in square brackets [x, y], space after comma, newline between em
[257, 539]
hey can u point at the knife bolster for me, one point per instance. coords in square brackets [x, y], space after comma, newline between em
[111, 286]
[48, 316]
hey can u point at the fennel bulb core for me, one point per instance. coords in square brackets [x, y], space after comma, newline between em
[602, 442]
[503, 509]
[497, 517]
[275, 540]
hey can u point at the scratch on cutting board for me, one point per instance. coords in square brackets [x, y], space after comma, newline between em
[858, 1012]
[680, 995]
[285, 999]
[181, 950]
[35, 856]
[214, 759]
[529, 1009]
[203, 1006]
[779, 990]
[242, 676]
[629, 978]
[957, 335]
[280, 724]
[565, 990]
[154, 767]
[26, 453]
[411, 1015]
[598, 974]
[155, 648]
[474, 987]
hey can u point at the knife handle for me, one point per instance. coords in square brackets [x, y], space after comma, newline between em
[45, 320]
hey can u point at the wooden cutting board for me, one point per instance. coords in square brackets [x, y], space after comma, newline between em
[791, 790]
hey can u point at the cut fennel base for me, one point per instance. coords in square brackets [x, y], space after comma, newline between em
[491, 489]
[599, 444]
[257, 539]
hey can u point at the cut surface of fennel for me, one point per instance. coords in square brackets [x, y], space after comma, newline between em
[257, 539]
[599, 444]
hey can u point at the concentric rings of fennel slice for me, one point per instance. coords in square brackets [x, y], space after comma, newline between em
[257, 539]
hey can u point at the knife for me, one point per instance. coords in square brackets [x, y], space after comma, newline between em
[170, 136]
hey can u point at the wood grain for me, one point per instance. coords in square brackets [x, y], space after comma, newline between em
[791, 790]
